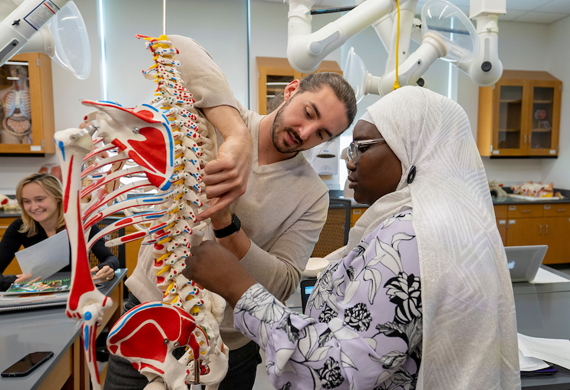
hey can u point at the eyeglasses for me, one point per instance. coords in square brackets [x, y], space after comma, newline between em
[355, 148]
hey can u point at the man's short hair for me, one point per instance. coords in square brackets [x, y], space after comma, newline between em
[342, 89]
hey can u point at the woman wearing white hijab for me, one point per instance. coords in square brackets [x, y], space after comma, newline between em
[422, 297]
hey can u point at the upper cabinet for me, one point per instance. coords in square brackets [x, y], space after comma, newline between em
[520, 115]
[273, 76]
[26, 97]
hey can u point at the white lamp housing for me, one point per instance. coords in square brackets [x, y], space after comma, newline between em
[62, 34]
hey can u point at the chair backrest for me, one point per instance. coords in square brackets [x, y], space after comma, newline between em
[335, 232]
[118, 251]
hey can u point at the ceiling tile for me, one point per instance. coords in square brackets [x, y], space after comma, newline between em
[556, 6]
[511, 15]
[540, 17]
[525, 4]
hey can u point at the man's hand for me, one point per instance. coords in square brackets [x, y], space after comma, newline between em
[216, 269]
[226, 176]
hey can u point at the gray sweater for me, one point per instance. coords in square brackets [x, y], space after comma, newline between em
[282, 212]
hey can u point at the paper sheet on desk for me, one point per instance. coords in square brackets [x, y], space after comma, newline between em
[544, 276]
[46, 257]
[555, 351]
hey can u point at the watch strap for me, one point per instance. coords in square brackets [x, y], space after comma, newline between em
[232, 228]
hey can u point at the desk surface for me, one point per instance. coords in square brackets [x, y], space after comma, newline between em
[26, 331]
[543, 310]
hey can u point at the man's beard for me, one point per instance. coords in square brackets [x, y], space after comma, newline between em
[277, 131]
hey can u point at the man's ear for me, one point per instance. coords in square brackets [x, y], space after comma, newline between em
[291, 89]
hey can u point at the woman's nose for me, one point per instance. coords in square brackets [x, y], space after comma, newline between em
[351, 166]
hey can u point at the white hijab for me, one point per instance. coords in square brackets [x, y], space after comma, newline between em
[470, 335]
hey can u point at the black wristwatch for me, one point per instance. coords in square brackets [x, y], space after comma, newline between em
[233, 227]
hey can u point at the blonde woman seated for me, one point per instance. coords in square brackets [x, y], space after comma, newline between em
[40, 198]
[422, 297]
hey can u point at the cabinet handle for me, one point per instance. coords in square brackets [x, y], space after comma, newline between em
[525, 139]
[546, 229]
[526, 211]
[561, 210]
[540, 230]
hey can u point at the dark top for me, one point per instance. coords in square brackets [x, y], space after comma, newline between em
[13, 239]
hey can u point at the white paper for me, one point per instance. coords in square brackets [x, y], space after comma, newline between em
[530, 363]
[46, 257]
[556, 351]
[544, 276]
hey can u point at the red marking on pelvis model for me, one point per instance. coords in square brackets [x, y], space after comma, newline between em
[146, 327]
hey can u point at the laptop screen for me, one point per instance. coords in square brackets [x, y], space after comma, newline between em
[307, 287]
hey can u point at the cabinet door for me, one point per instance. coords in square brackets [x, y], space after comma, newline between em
[26, 94]
[544, 118]
[524, 231]
[509, 127]
[274, 74]
[502, 227]
[556, 231]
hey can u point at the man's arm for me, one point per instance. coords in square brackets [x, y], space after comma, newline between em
[226, 176]
[279, 269]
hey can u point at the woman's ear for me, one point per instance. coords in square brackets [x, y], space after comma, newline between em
[291, 89]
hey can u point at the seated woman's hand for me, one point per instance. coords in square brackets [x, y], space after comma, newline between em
[104, 274]
[217, 269]
[21, 278]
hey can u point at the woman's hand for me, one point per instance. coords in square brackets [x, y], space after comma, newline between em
[21, 278]
[104, 274]
[217, 269]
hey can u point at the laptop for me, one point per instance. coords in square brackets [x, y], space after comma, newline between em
[524, 261]
[307, 287]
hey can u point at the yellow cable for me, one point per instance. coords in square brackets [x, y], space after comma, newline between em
[396, 82]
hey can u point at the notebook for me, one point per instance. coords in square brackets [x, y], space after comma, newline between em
[524, 261]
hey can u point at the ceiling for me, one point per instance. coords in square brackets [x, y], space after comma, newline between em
[527, 11]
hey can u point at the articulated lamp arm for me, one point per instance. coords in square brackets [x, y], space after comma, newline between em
[306, 49]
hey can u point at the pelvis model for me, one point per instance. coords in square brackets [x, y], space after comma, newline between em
[164, 144]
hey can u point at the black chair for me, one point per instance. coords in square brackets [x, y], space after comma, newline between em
[335, 232]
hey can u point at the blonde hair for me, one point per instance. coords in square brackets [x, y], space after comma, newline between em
[49, 184]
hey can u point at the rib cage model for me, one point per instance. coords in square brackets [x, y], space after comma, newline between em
[164, 144]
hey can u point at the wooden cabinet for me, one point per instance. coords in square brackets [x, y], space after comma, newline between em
[520, 115]
[26, 92]
[273, 76]
[355, 214]
[540, 224]
[501, 218]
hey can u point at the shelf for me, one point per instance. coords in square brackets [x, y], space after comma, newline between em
[541, 130]
[509, 130]
[511, 101]
[542, 101]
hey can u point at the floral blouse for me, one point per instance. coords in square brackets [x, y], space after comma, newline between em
[364, 328]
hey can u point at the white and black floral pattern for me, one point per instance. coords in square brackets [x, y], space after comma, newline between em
[358, 317]
[330, 374]
[364, 329]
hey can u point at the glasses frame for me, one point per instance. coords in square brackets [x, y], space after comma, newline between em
[354, 148]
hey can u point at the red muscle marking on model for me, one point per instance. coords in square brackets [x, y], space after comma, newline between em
[67, 186]
[143, 365]
[82, 282]
[133, 236]
[152, 149]
[124, 221]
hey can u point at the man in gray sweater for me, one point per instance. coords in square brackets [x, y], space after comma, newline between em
[283, 209]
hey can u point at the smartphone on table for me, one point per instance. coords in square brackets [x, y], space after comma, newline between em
[27, 364]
